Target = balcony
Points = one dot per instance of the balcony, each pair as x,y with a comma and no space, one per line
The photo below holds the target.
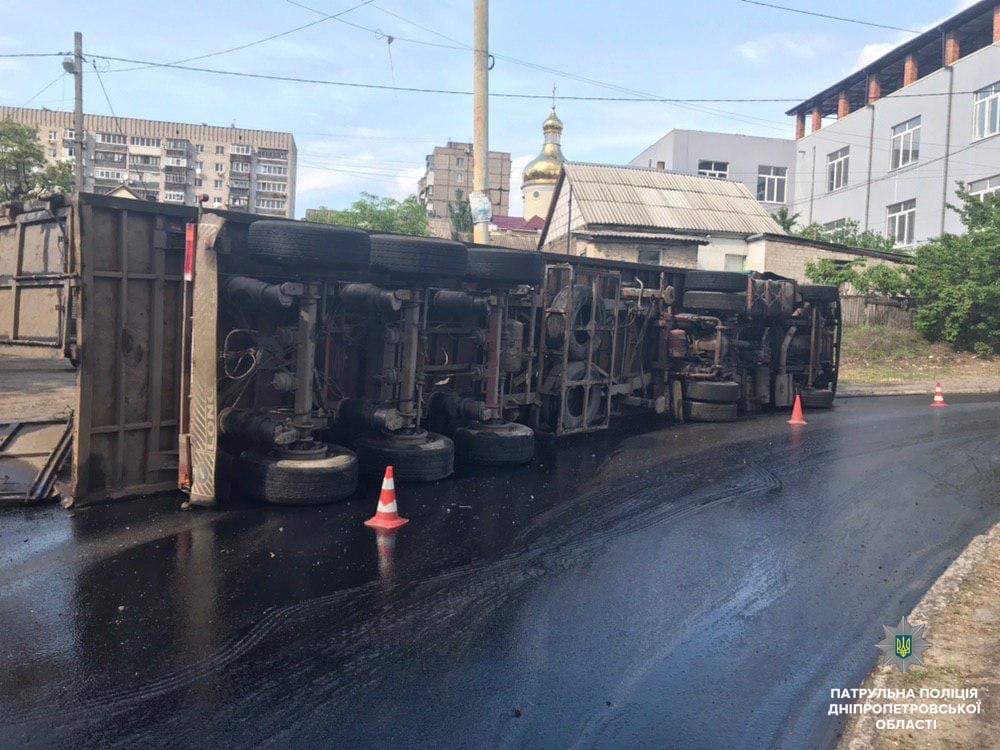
178,162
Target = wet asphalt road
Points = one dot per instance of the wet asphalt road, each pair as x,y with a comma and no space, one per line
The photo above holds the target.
699,586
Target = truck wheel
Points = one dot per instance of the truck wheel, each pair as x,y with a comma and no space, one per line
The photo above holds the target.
817,398
416,456
715,281
426,256
818,293
270,477
700,411
495,443
304,246
717,392
715,302
580,302
575,418
509,266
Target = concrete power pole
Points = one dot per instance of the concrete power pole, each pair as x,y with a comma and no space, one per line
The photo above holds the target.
78,109
481,125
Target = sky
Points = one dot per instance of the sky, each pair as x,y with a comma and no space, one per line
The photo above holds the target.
353,139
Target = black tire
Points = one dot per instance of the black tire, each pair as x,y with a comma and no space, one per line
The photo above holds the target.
417,457
495,444
305,246
817,398
818,293
700,411
715,301
575,418
580,302
506,266
269,477
715,281
425,256
716,392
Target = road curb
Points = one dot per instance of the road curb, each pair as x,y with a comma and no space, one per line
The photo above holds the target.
877,392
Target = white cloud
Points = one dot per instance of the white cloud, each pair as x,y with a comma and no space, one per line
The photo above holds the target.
310,179
9,65
783,46
872,52
406,182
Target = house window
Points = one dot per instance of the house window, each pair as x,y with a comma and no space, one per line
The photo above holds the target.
69,135
836,169
198,182
52,136
460,178
220,168
735,263
905,143
983,188
900,218
136,140
718,170
661,165
459,161
986,112
218,184
651,257
220,150
200,148
771,183
116,138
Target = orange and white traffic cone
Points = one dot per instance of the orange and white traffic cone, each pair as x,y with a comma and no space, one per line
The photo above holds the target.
797,412
386,516
938,397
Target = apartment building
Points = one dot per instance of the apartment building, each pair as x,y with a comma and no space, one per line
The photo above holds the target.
764,165
238,169
449,170
888,145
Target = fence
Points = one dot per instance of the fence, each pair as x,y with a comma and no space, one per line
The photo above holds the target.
892,312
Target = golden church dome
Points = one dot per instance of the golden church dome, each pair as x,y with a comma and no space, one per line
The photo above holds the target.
545,168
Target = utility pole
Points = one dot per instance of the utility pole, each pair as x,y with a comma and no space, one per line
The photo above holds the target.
481,126
78,109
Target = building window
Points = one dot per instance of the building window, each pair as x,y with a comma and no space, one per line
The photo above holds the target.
116,138
986,112
200,148
270,153
52,136
143,160
661,165
241,166
198,182
107,174
69,135
836,169
51,152
271,187
220,150
175,161
151,195
177,145
983,188
835,225
220,168
735,262
199,165
271,169
900,218
270,203
718,170
116,157
905,143
173,195
242,149
771,183
650,257
218,185
460,178
459,161
136,140
177,179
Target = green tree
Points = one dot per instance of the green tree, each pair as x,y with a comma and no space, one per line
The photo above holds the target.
461,216
380,215
849,234
785,219
876,279
955,281
23,171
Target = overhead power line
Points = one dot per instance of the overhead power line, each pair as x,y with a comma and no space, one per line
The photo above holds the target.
831,18
45,88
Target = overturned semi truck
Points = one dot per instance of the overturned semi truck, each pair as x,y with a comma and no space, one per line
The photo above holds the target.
222,352
339,352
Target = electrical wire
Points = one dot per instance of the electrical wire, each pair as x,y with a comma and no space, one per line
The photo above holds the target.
45,88
831,18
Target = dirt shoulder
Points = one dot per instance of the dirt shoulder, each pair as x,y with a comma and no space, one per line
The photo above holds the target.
962,615
35,383
881,362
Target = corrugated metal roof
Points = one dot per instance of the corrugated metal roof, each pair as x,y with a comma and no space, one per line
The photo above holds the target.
616,233
658,200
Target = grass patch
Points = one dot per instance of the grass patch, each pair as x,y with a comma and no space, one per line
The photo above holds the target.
881,344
